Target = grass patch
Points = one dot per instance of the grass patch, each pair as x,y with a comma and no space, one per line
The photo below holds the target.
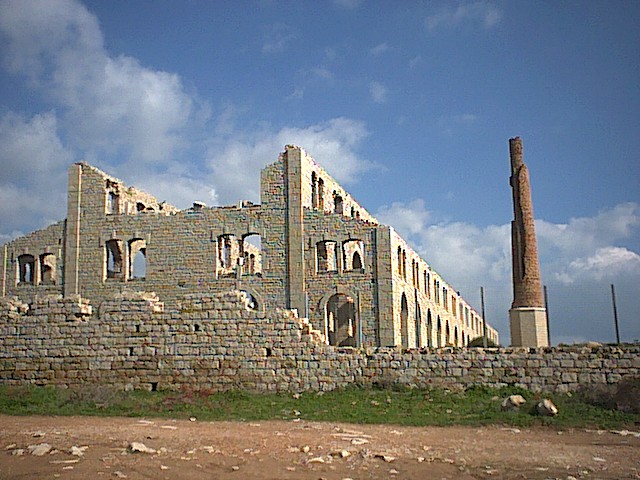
399,406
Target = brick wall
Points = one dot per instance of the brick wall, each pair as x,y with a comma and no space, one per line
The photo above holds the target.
214,341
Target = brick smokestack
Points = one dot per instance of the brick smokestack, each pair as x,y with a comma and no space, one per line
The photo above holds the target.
527,285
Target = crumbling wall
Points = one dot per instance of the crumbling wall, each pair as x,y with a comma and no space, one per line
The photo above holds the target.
218,342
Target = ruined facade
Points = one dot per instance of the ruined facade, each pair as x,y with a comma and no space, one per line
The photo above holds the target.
308,246
528,315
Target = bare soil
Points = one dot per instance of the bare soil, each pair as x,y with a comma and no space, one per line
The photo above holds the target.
307,450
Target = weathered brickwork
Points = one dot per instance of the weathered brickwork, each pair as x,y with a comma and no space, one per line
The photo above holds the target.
309,247
217,341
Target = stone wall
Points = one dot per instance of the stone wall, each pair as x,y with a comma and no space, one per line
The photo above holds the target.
217,342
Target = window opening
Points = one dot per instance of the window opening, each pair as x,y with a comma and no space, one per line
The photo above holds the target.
418,326
439,333
252,254
137,258
228,255
326,256
404,321
352,255
27,269
320,194
113,252
338,206
48,269
314,190
341,319
250,301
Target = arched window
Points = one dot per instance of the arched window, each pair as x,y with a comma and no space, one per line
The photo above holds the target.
250,301
439,333
341,320
429,329
137,258
352,255
320,194
26,269
447,334
252,254
400,261
338,206
113,259
404,321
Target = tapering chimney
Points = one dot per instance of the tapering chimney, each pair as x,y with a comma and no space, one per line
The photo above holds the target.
528,316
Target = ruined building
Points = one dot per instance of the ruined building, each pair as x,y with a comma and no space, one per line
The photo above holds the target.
308,246
528,315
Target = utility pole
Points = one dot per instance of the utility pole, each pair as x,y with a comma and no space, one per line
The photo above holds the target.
546,307
615,312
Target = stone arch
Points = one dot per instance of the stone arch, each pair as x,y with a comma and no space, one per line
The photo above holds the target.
252,254
429,329
341,322
338,203
26,269
439,333
455,336
352,254
137,258
114,259
404,321
254,298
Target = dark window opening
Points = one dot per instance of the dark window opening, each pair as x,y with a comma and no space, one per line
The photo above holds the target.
27,269
154,386
113,250
341,321
404,321
338,206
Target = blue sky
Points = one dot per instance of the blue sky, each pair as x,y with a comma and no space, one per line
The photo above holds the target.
409,104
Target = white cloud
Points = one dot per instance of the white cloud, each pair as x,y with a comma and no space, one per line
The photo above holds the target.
605,263
236,162
485,13
34,162
110,104
378,92
380,49
577,260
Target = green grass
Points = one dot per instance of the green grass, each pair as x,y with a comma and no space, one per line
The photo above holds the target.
400,406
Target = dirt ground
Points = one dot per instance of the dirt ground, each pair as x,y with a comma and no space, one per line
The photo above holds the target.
305,450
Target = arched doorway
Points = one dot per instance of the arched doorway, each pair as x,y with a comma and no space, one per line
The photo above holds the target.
341,321
404,321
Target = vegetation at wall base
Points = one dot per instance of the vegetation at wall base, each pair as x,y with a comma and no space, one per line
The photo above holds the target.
400,406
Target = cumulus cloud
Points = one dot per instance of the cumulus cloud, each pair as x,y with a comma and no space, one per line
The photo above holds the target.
34,162
378,92
484,13
236,162
578,260
106,103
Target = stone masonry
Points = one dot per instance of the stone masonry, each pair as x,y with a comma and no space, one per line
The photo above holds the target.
217,341
308,247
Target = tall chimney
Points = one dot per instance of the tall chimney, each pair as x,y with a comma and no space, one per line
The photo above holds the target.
528,314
